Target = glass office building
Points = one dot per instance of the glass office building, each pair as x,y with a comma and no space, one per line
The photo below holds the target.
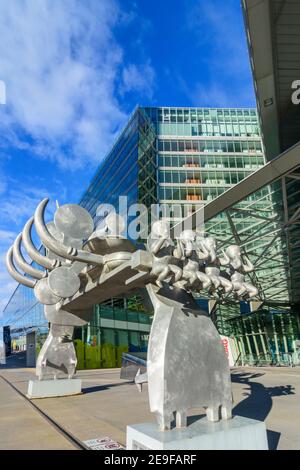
187,156
202,152
23,315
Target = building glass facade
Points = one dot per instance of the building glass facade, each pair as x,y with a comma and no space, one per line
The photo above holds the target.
203,152
269,334
24,314
129,169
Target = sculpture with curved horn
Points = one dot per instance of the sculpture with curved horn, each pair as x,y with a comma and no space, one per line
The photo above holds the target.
14,273
57,247
32,251
102,265
22,263
48,240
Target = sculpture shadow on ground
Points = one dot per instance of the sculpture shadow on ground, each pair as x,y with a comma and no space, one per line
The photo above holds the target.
101,388
258,402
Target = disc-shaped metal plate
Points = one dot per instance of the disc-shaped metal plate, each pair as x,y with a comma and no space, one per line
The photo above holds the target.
44,294
63,282
74,221
57,234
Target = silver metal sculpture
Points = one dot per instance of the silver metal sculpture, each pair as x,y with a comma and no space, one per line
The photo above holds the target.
186,366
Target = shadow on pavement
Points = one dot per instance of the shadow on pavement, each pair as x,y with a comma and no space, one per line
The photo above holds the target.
258,402
100,388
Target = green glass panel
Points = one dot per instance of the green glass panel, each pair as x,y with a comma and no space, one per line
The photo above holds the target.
132,316
108,348
107,312
144,318
79,348
92,356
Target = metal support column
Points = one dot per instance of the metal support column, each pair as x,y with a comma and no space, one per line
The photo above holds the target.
275,339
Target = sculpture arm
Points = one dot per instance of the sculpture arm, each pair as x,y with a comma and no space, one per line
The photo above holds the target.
224,261
248,267
189,248
156,245
202,251
178,253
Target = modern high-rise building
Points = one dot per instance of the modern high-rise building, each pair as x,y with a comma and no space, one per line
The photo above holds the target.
203,152
186,156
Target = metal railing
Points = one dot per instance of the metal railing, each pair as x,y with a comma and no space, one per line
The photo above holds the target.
265,360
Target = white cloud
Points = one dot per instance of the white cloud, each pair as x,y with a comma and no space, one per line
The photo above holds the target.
16,207
61,64
138,78
19,205
7,235
214,94
63,69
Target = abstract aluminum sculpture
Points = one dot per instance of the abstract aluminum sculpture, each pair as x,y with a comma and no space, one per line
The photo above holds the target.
186,365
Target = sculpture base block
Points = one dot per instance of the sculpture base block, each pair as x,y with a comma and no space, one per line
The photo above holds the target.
238,433
53,388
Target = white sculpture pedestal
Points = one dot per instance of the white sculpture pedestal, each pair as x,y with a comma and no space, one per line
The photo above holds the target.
53,388
238,433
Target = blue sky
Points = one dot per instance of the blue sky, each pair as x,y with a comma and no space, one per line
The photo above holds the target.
74,70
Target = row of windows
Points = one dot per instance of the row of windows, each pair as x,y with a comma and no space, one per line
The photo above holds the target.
226,129
211,161
189,194
209,146
159,114
186,119
117,341
120,314
210,178
195,117
205,194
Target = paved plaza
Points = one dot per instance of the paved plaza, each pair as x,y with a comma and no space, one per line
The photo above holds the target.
108,404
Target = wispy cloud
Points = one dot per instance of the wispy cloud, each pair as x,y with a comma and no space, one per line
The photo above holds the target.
17,205
61,64
66,77
138,78
218,29
7,284
20,204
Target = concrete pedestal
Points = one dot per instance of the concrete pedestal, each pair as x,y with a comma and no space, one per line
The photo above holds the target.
53,388
238,433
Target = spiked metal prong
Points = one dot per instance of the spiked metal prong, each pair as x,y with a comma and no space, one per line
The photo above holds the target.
22,263
34,254
47,239
58,247
26,281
